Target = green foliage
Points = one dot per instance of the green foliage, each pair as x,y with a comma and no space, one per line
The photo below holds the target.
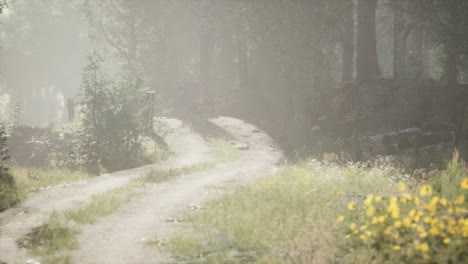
285,218
291,217
29,181
51,239
420,225
115,118
223,151
101,205
8,190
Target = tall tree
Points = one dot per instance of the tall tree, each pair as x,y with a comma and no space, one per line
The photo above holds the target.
242,46
347,42
401,31
367,59
206,44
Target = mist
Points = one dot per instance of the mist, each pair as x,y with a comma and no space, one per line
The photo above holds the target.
108,100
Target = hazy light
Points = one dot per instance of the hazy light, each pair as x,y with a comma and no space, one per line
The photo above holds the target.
7,12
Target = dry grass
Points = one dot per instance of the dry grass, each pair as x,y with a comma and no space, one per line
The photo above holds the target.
289,217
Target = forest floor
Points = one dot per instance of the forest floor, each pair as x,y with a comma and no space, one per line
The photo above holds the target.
123,235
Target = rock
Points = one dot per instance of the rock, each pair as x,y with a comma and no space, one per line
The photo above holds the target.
316,129
439,127
33,261
242,147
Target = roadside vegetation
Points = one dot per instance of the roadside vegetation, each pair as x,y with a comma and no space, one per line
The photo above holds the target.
223,151
52,240
323,212
32,180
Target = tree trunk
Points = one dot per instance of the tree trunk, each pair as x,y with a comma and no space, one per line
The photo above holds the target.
419,49
347,71
399,67
367,60
242,54
206,34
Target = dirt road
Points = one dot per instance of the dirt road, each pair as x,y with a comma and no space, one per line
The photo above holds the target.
120,237
189,149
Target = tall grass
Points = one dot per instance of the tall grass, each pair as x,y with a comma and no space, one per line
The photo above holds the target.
31,180
290,217
223,151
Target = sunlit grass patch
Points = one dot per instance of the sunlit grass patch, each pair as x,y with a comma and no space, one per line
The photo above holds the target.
427,224
50,240
303,214
31,180
158,176
101,205
223,151
287,217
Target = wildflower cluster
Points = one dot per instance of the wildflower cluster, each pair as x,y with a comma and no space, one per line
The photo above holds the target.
411,228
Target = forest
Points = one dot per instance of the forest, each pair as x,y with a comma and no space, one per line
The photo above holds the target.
233,131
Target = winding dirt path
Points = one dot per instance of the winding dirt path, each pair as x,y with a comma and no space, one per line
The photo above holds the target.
15,223
119,238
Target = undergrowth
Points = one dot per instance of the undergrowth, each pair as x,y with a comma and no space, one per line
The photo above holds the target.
32,180
223,151
291,217
52,240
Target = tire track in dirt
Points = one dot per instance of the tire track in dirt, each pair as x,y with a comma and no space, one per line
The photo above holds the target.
189,149
119,238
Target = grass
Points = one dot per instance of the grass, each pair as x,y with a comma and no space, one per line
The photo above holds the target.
31,180
223,151
101,205
291,216
52,240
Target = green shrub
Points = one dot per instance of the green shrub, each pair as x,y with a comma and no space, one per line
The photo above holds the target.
420,226
8,191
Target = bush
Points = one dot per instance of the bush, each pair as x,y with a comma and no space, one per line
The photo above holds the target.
8,192
116,118
429,226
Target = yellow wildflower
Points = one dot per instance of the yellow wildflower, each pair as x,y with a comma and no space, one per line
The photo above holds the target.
407,222
352,206
352,226
424,247
417,245
443,202
378,198
464,184
370,211
388,230
425,190
340,219
396,247
447,241
434,231
396,214
401,186
381,219
369,200
397,224
460,200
